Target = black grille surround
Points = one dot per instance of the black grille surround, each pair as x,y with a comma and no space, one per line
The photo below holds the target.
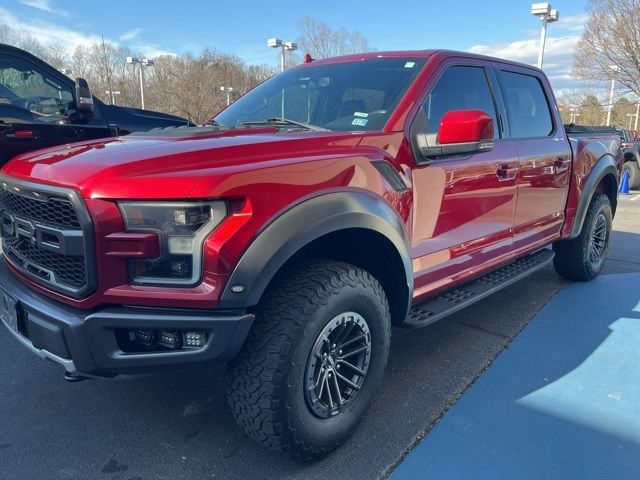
48,209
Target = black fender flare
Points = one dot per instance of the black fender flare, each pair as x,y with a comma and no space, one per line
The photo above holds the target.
303,223
604,166
634,153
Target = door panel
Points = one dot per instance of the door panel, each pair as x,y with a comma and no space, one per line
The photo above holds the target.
544,158
463,206
462,217
542,191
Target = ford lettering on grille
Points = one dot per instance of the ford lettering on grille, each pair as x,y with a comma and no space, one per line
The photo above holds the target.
45,234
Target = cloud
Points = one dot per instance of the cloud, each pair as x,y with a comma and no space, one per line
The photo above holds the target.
572,22
129,35
149,51
558,57
50,34
39,4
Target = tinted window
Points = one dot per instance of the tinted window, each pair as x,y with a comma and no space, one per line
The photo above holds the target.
32,93
527,106
347,96
459,88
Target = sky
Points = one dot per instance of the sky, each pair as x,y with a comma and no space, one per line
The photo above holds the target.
503,28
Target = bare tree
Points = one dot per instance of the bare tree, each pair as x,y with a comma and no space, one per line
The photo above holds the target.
22,40
187,85
611,38
320,41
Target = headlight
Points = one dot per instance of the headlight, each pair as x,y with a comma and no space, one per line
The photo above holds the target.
182,228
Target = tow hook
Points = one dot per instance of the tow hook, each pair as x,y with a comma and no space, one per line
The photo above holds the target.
71,377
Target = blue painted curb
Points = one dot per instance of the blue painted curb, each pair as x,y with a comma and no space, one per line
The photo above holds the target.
563,401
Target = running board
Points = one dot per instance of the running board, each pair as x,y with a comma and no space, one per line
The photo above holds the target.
449,302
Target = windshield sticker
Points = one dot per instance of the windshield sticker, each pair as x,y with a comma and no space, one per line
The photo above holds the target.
361,122
360,114
409,64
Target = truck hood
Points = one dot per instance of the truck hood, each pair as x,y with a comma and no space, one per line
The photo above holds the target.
168,164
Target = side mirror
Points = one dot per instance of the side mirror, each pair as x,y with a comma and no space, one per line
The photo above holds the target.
84,99
462,132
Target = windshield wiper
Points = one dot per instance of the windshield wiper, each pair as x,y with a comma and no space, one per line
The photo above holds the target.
286,121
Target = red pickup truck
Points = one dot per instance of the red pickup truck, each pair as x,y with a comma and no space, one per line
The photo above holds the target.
333,201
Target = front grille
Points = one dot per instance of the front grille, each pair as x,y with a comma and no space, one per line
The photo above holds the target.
54,211
66,269
40,228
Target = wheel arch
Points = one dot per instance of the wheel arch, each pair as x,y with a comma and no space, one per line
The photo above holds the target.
632,155
602,179
354,227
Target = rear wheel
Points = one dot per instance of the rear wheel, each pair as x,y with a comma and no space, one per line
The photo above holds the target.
583,257
313,360
634,173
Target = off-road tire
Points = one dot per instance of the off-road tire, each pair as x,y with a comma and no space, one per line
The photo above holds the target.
572,260
634,174
265,382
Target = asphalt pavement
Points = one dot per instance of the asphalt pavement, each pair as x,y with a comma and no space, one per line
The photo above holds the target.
178,426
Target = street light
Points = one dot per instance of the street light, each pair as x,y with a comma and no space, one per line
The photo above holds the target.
615,69
547,14
635,124
630,115
284,47
144,62
573,111
112,95
228,90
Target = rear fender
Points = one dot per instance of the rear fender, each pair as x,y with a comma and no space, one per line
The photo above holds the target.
606,165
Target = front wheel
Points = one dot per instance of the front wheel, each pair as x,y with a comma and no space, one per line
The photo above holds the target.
313,360
583,257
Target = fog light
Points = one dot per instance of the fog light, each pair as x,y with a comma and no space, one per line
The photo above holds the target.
146,337
195,339
170,339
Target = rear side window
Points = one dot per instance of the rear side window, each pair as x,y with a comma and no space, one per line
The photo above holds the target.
527,106
459,88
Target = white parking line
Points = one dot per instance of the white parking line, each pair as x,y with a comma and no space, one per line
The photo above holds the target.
635,197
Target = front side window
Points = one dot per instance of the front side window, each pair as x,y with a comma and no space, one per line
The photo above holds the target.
527,106
458,88
31,94
347,96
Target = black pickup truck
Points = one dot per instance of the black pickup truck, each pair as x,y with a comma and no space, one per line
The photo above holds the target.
631,150
41,107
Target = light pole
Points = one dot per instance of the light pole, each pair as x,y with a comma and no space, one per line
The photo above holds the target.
573,114
635,124
630,115
144,62
228,90
615,69
547,14
284,47
112,95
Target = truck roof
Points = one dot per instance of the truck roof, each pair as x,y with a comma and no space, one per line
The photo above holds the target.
442,53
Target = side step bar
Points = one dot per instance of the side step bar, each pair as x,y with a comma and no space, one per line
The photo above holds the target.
445,304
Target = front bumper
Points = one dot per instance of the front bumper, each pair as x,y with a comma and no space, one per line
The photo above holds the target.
84,342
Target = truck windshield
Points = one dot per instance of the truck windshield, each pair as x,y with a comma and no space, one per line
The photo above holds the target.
348,96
